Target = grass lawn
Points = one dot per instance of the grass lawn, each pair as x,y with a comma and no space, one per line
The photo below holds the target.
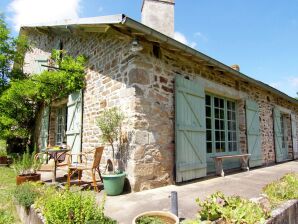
7,185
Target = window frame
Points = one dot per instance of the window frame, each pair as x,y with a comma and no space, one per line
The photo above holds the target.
226,131
63,108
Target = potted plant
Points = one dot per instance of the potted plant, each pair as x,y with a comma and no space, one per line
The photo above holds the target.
157,217
3,156
109,122
25,168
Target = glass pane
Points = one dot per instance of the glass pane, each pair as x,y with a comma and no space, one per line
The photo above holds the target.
209,135
216,102
222,114
221,103
223,146
217,136
216,113
217,124
208,123
229,105
217,145
234,146
209,147
208,111
222,136
208,100
230,146
222,124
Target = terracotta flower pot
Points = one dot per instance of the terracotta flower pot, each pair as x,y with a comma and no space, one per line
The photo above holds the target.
3,160
28,177
167,217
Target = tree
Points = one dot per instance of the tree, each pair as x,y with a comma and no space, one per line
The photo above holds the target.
22,95
11,56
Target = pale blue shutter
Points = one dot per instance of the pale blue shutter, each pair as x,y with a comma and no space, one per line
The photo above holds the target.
44,129
294,136
253,133
190,130
38,66
278,135
74,121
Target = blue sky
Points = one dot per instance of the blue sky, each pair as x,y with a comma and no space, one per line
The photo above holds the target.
260,36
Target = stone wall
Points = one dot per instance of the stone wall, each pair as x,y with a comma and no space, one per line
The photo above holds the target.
107,85
154,154
142,85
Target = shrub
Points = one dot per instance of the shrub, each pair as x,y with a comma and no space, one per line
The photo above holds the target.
27,164
149,220
67,207
284,189
232,209
26,194
6,217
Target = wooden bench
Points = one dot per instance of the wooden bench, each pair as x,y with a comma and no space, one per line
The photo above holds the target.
219,162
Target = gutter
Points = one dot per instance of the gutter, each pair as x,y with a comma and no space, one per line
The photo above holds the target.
168,40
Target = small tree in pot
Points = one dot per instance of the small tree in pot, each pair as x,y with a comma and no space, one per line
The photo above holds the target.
110,122
25,168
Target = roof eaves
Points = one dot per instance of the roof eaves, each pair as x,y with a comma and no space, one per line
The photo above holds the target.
166,39
111,19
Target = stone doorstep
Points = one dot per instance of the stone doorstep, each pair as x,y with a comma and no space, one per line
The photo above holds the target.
286,213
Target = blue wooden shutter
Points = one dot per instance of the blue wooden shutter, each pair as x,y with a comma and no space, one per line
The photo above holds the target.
44,129
38,67
74,121
253,133
190,130
294,136
278,135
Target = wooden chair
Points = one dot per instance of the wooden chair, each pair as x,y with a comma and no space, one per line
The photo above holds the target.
81,164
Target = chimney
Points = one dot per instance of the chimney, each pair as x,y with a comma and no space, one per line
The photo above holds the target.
236,67
159,15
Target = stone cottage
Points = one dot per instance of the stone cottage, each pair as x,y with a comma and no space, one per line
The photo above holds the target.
182,108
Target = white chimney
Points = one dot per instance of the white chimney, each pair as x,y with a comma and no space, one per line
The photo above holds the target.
159,15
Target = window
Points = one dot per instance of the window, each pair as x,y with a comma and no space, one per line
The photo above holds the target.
39,68
61,125
221,125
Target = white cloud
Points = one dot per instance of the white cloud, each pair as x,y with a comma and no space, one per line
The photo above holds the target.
201,36
38,11
182,38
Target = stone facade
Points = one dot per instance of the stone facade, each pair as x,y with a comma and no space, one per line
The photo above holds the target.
142,85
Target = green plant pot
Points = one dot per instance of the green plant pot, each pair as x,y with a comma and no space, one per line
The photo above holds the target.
113,183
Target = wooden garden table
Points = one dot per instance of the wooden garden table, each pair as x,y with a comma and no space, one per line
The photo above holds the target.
56,154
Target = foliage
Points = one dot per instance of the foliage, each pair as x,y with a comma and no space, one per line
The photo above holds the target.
20,103
70,207
26,194
109,122
3,152
27,164
11,51
6,217
7,186
149,220
232,209
284,189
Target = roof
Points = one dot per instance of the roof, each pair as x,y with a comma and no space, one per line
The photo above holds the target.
129,26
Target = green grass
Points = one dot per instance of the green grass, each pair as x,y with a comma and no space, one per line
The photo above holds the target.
282,190
7,185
